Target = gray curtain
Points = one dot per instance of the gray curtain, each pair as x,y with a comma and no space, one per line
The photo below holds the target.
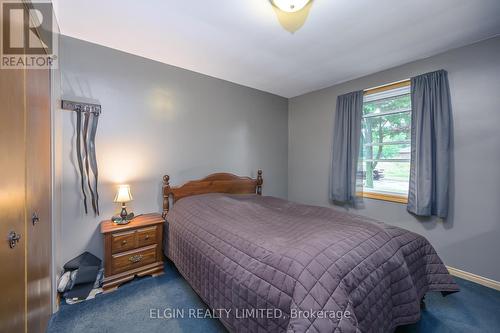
430,144
346,137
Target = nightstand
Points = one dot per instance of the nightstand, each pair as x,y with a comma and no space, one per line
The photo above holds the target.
133,249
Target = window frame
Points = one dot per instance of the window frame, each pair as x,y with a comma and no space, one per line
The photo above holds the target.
380,195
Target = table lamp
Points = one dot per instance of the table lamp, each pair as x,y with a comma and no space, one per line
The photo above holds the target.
123,195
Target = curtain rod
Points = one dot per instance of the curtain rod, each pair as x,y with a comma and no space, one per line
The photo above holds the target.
81,107
392,85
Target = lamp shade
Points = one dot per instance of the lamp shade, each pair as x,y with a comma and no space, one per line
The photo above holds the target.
123,194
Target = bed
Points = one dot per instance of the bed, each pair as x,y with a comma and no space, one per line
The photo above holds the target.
264,264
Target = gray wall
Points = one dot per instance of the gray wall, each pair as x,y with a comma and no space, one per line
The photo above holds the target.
159,119
470,238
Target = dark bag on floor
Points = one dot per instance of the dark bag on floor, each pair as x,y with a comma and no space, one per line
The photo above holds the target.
84,259
80,291
86,274
88,266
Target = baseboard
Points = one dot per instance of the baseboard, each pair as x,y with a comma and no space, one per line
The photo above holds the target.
474,278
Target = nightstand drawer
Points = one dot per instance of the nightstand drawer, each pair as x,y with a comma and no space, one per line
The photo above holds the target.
132,259
146,236
123,241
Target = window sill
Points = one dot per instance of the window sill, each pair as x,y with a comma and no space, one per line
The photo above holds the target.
385,197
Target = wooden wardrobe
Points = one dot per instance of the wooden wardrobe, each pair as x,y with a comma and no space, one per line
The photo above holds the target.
25,200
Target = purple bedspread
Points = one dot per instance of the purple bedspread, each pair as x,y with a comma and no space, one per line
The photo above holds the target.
277,266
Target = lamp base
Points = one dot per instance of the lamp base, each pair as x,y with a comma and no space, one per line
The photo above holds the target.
123,213
119,220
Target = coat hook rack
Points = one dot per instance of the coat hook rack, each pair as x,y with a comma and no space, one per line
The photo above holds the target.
81,107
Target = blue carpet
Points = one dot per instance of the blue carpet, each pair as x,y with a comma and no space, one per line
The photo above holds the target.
474,309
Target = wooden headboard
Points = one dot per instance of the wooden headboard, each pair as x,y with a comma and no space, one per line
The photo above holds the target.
214,183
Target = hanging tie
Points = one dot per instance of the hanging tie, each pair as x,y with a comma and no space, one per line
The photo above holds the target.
79,156
86,149
93,159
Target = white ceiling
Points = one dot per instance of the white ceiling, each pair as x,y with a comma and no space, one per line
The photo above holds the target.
242,41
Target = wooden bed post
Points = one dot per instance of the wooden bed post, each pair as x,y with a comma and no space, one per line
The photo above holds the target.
260,181
166,195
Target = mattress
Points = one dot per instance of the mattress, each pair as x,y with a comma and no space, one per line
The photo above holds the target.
278,266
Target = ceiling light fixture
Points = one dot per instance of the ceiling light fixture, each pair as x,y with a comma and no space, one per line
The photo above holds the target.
290,6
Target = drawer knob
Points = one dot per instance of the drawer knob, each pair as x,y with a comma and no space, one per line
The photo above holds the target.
136,258
124,242
147,237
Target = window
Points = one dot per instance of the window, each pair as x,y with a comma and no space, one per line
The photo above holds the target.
385,143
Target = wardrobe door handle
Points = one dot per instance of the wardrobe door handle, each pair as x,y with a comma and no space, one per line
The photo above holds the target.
13,239
34,218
